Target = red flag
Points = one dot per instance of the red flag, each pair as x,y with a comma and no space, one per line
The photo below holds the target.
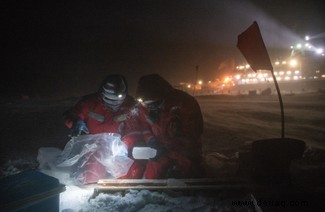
251,45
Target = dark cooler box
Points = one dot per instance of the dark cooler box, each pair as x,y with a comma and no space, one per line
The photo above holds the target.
30,191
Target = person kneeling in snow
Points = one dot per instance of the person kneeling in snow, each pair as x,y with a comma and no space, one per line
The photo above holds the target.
173,123
110,110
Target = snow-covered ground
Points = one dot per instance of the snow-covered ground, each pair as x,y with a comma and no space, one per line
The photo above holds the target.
231,124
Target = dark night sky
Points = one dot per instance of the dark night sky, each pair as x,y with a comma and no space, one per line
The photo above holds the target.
64,48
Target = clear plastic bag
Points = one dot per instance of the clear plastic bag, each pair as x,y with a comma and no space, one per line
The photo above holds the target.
91,157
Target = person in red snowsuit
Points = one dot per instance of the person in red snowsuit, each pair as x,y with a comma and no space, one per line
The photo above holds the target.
110,110
173,120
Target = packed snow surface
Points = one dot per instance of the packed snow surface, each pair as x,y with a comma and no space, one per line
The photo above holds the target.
231,124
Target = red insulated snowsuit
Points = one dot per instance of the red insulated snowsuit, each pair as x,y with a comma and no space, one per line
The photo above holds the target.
178,128
99,119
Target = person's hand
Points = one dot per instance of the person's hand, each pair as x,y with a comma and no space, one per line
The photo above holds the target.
79,127
157,145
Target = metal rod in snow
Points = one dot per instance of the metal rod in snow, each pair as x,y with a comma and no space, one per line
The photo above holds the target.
281,103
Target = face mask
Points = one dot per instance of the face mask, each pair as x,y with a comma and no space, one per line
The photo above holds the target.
154,105
154,108
113,105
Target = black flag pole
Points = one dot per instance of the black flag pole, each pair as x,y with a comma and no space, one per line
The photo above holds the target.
251,45
281,103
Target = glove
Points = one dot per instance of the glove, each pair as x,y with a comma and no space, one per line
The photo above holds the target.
79,127
130,149
157,145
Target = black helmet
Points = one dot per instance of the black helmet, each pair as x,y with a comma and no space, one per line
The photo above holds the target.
113,91
152,87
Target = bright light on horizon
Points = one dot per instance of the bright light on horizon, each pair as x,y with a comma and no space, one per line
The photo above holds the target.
293,63
319,51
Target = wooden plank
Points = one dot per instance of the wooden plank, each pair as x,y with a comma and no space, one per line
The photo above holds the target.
163,182
158,188
111,185
131,182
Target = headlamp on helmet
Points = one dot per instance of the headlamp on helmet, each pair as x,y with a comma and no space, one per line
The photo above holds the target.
114,91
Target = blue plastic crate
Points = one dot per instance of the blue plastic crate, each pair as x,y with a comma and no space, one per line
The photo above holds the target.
30,191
